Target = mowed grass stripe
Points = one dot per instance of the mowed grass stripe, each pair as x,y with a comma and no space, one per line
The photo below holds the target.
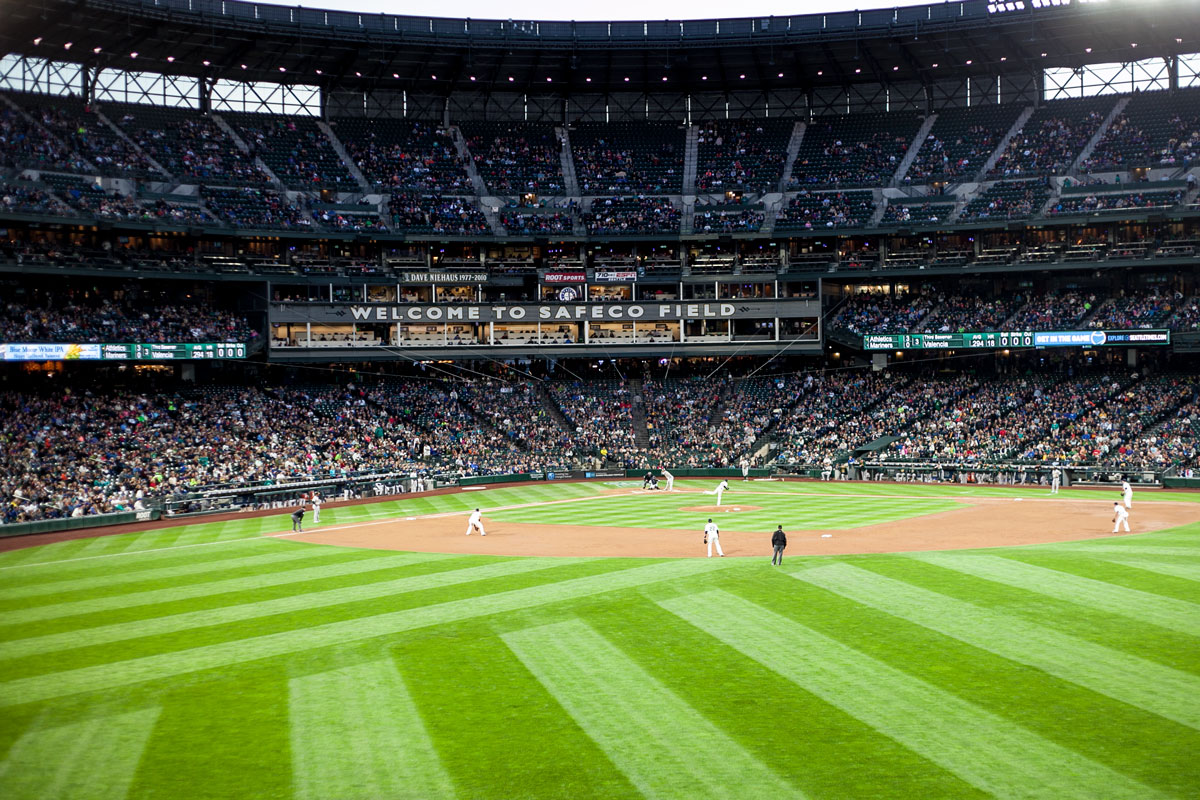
1130,549
662,744
97,567
94,758
114,675
356,734
245,612
1189,572
1165,612
114,579
219,585
985,750
496,729
1152,687
811,744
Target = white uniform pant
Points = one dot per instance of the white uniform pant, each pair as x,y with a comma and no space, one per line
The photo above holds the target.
717,541
1121,521
1129,499
476,526
671,484
316,514
1054,483
719,493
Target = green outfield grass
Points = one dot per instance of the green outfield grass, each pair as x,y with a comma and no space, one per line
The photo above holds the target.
210,661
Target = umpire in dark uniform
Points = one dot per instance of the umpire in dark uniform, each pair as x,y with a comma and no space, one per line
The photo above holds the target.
778,542
297,519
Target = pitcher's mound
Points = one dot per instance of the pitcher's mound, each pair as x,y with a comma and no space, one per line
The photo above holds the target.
720,509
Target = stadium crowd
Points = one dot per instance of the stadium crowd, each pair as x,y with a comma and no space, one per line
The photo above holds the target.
85,317
72,453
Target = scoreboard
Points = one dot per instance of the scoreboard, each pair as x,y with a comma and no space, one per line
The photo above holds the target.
990,340
122,352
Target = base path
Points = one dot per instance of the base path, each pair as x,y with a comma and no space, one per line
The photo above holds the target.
978,522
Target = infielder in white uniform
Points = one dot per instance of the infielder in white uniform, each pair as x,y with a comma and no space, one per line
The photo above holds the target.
712,535
745,470
475,523
1121,517
720,490
1127,491
670,479
316,504
1055,480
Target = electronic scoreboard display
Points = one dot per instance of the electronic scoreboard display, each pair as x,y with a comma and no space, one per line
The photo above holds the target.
990,340
121,352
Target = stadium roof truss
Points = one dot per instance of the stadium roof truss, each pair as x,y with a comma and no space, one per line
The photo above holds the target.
951,53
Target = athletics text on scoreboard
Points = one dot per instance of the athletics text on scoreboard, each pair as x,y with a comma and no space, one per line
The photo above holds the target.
22,351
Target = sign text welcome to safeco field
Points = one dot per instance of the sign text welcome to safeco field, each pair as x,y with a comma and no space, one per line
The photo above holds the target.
515,313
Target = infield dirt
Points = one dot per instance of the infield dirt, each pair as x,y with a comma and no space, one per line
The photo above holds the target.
976,523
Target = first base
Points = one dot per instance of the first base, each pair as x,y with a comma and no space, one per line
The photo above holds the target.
826,535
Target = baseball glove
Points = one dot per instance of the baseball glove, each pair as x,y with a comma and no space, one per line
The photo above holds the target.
706,538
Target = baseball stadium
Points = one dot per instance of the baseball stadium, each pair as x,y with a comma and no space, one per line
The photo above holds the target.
818,394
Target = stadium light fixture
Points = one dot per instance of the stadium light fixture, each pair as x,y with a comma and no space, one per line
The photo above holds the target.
587,80
170,59
135,55
395,74
434,77
319,72
780,75
627,79
511,79
970,62
283,69
822,72
1087,49
37,40
243,66
96,50
1004,58
67,46
742,77
549,79
1133,44
935,65
895,69
703,77
206,63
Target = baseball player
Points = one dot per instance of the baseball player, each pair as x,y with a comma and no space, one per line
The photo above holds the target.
778,542
720,490
316,505
745,470
670,479
297,519
646,481
475,523
1127,492
827,469
1120,517
712,535
1055,480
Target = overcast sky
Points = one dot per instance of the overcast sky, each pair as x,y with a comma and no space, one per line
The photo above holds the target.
595,10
